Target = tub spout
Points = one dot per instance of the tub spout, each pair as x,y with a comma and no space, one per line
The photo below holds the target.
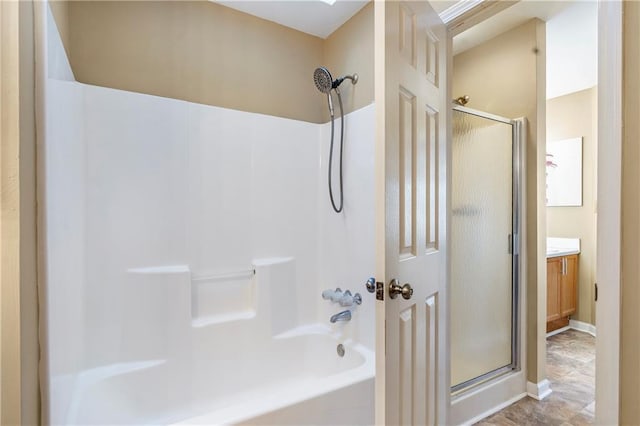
341,316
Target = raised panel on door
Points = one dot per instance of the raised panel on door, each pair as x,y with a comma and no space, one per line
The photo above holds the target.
407,374
569,287
432,132
412,158
554,276
407,132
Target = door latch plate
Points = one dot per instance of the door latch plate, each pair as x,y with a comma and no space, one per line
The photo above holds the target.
379,290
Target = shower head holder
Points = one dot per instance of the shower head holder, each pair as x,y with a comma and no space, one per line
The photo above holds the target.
338,82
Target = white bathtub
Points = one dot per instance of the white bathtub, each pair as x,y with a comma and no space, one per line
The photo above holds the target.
294,378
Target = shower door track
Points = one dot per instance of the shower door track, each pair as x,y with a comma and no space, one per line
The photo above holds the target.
518,128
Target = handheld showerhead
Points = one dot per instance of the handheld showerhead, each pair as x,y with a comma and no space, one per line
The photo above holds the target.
324,82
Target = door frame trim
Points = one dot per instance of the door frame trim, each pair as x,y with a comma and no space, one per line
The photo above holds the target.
20,385
609,209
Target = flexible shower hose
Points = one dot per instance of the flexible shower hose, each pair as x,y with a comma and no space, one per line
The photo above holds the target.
333,204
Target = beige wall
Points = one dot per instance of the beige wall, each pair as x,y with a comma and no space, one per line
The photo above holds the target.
196,51
570,116
19,351
350,50
222,57
630,264
506,76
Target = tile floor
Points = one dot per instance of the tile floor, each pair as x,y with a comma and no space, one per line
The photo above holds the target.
571,369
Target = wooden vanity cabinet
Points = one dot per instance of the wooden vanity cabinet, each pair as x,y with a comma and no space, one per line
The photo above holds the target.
569,288
562,290
554,276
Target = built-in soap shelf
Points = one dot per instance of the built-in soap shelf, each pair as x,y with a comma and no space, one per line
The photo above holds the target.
221,297
222,318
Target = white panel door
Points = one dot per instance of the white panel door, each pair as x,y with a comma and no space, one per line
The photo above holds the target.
611,111
412,365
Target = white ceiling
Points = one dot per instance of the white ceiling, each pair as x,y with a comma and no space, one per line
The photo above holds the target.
315,17
572,49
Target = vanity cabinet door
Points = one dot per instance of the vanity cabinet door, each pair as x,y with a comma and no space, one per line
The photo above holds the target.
569,286
554,278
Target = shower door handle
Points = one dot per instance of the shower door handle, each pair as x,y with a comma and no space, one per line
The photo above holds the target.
395,289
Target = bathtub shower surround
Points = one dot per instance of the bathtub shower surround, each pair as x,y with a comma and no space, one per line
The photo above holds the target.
187,249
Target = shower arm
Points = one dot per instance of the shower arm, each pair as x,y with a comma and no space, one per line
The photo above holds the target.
353,78
338,82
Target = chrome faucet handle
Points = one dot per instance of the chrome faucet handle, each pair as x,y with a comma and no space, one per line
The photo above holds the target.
326,294
337,295
333,295
344,298
348,299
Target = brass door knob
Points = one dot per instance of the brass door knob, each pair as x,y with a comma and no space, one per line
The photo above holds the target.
395,289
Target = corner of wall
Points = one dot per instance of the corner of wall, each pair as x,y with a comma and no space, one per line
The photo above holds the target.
541,208
349,50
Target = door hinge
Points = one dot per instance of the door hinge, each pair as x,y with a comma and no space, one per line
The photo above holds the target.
596,286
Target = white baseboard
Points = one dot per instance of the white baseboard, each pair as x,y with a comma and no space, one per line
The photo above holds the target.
494,410
558,331
583,326
539,390
575,325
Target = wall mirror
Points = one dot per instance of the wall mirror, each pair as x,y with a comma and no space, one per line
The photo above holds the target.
564,172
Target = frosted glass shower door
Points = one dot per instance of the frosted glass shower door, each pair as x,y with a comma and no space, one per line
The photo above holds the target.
482,295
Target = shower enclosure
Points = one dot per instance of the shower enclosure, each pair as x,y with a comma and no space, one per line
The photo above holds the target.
485,247
188,244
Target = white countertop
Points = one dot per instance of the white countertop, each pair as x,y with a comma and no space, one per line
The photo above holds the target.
557,247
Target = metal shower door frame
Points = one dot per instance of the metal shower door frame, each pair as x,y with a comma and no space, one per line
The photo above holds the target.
518,135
